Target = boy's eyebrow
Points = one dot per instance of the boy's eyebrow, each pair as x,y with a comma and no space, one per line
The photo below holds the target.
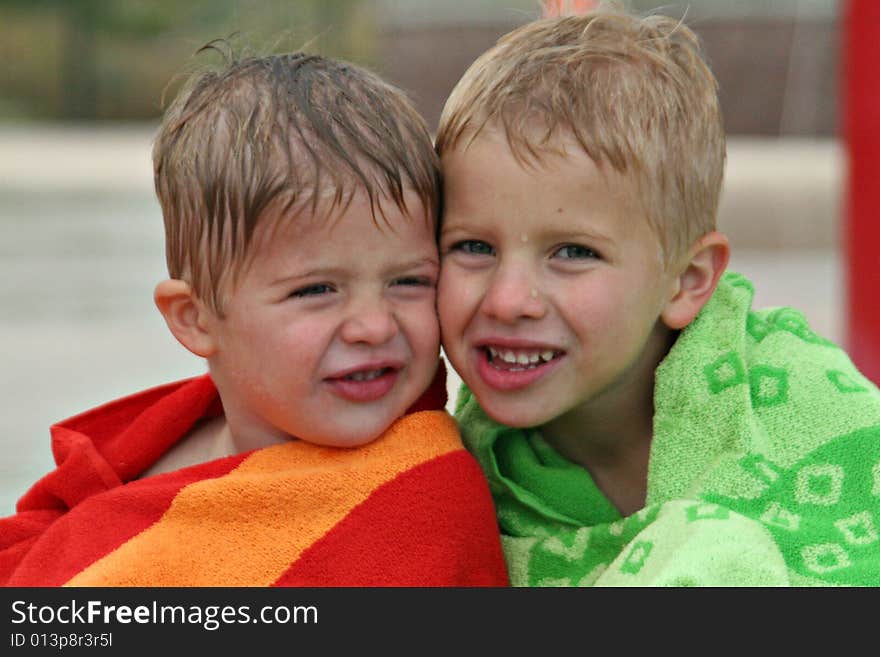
418,262
553,234
580,234
336,271
410,265
462,225
311,273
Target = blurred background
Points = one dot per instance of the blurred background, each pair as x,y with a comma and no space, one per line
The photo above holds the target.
81,89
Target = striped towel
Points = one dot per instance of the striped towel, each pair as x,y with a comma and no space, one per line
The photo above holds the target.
764,468
410,509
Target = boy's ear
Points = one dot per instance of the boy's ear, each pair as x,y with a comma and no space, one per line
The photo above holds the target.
706,261
187,318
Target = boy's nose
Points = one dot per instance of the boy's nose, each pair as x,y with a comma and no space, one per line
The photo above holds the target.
513,294
373,324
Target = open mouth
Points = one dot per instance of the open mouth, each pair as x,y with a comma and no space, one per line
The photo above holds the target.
506,369
365,385
367,375
519,360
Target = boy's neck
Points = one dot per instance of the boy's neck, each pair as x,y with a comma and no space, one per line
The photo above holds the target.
611,435
207,440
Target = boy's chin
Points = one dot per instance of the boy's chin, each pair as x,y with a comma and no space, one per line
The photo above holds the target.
344,440
510,415
355,430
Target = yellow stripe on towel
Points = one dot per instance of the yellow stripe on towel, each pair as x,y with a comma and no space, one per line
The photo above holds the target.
247,527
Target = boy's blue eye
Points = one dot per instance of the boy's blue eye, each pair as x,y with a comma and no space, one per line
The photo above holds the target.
473,247
312,290
576,252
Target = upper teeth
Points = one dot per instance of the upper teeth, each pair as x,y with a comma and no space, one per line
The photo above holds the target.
522,356
364,376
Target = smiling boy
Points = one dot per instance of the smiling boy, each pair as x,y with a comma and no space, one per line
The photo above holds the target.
577,290
639,422
300,200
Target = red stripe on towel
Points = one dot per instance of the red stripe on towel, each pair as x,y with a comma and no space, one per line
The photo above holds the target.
439,510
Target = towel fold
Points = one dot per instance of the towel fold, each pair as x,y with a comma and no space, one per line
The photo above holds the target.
409,509
764,468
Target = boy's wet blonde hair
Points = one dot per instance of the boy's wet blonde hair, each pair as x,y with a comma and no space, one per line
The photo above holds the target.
633,92
271,135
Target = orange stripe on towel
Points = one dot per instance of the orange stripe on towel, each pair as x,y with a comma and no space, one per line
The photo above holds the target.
246,528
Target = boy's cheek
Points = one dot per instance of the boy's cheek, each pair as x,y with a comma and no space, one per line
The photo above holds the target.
446,308
452,335
459,287
424,325
452,278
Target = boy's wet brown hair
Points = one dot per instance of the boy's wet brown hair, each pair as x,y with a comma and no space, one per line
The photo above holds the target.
633,92
269,136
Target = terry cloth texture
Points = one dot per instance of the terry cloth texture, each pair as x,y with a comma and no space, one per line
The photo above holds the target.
764,468
409,509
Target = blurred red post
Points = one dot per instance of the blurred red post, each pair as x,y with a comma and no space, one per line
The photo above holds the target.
861,126
560,7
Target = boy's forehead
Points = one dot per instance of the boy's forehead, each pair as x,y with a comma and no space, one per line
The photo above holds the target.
352,208
484,173
345,219
560,159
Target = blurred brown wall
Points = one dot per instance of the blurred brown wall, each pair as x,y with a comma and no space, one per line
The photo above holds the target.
776,76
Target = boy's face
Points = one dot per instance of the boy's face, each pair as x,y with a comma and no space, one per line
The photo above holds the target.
331,333
551,284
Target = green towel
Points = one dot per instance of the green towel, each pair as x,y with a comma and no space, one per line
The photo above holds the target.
764,468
